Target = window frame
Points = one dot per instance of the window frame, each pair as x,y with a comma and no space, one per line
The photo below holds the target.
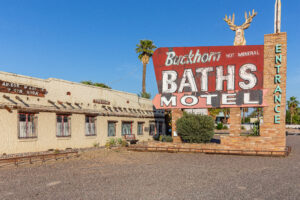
95,128
140,123
126,122
34,125
115,125
154,131
68,116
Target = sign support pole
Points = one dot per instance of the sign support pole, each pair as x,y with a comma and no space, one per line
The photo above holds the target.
176,114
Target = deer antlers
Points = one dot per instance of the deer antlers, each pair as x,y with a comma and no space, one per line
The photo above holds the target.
249,20
230,22
246,25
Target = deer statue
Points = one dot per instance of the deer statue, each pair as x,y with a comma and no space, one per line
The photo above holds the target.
239,30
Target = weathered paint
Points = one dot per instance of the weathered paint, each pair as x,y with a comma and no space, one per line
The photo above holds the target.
253,98
79,104
277,80
101,101
17,88
201,77
277,119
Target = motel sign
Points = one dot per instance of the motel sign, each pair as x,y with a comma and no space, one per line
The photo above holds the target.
206,77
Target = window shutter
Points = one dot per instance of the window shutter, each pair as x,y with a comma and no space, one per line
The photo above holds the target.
108,129
58,127
115,128
18,121
70,125
86,126
95,125
35,126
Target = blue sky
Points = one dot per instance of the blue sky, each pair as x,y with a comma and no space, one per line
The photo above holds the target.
95,40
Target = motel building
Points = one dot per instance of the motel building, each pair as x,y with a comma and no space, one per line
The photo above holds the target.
42,114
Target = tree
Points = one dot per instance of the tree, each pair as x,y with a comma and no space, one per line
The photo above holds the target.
292,105
145,95
95,84
296,117
245,110
145,49
213,112
226,112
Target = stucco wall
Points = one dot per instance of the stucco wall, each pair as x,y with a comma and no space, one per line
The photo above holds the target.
80,93
46,114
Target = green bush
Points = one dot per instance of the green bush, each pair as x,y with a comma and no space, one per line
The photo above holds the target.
56,151
220,126
145,95
243,128
165,138
124,143
119,141
195,128
96,144
255,130
107,145
156,137
160,137
110,143
169,138
225,127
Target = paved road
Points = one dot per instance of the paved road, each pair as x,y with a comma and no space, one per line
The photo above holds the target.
133,175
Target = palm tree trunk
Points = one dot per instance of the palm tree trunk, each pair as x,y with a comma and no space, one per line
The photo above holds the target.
244,115
144,78
225,114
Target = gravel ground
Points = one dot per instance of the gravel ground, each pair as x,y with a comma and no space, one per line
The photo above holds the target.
104,174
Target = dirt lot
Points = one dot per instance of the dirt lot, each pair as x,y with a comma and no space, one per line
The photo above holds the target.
106,174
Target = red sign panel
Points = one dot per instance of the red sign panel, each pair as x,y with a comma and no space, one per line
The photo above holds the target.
203,77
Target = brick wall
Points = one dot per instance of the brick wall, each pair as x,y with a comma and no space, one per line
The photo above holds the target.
235,122
176,114
269,128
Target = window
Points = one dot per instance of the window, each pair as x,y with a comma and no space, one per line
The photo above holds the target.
90,127
111,129
63,125
140,128
27,125
152,129
127,128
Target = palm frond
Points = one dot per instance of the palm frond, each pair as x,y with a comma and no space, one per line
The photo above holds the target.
145,47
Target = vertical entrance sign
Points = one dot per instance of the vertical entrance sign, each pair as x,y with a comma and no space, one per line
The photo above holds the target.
209,77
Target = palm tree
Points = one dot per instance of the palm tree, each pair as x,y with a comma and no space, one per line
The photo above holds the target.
145,49
226,112
213,112
145,95
292,105
245,110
